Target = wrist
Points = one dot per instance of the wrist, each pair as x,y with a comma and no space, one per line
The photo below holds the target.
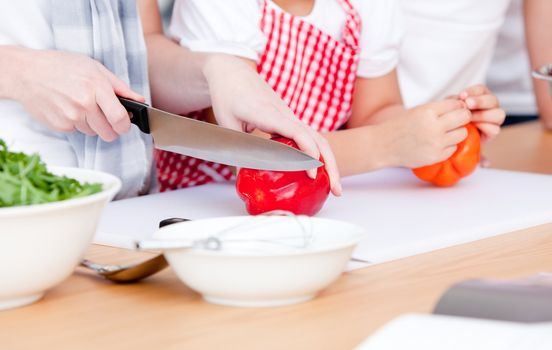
387,154
215,65
211,64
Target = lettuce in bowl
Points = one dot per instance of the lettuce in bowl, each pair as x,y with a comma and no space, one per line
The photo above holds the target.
25,180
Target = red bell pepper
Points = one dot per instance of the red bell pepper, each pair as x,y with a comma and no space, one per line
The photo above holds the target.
264,191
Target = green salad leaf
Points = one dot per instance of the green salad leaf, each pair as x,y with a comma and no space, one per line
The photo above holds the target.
25,180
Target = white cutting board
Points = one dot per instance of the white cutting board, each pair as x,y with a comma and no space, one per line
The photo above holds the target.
402,216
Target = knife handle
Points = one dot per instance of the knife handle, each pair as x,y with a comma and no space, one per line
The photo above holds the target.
138,113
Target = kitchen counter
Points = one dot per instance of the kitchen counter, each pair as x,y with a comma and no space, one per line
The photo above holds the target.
86,312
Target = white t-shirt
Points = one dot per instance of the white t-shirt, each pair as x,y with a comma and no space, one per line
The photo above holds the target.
509,76
447,46
27,23
232,27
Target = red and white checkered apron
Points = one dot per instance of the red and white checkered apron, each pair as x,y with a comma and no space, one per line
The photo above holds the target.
310,70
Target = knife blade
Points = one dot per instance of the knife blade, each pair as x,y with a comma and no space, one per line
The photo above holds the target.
214,143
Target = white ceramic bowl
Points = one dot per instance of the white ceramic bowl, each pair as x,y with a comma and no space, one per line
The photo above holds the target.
40,245
272,276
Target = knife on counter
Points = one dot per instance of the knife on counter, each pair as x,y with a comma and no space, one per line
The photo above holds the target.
214,143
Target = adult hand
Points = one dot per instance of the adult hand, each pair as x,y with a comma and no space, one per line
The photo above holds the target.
69,92
485,108
242,101
427,134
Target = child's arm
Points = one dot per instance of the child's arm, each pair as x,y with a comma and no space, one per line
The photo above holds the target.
537,31
376,100
381,133
360,147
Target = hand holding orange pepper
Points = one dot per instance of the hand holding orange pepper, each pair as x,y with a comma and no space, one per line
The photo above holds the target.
461,164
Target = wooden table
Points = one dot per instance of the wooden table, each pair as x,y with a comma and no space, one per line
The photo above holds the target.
523,147
86,312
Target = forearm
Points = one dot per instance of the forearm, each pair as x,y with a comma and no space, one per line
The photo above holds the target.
376,100
358,150
537,29
362,149
12,59
177,76
386,113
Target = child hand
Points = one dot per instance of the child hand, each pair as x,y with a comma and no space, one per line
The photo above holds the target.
427,134
485,108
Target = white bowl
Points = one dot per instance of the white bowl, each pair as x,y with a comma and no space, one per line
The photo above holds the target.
250,275
40,245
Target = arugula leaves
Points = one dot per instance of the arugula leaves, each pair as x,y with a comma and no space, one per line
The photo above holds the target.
24,180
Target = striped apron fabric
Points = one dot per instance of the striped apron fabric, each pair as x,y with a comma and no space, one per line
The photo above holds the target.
310,70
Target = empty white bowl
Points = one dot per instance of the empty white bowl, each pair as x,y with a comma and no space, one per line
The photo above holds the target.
257,273
40,245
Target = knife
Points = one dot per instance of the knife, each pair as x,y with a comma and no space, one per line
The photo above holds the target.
214,143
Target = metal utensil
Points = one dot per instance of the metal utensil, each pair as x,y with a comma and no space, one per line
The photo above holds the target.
543,73
214,143
243,235
128,273
132,272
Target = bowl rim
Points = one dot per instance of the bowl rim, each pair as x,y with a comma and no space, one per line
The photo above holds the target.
230,255
114,186
356,236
